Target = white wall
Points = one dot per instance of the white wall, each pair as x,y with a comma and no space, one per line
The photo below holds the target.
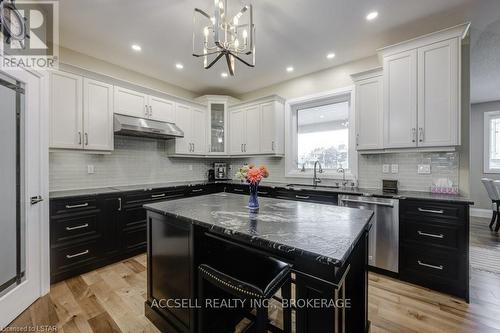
478,193
325,80
77,59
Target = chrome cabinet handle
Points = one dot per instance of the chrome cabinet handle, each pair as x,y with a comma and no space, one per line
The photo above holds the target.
119,204
357,139
77,227
146,113
197,190
272,145
77,206
241,148
239,190
69,256
245,147
262,192
440,267
367,202
439,211
302,196
150,111
79,138
420,134
86,139
157,195
193,147
421,233
413,135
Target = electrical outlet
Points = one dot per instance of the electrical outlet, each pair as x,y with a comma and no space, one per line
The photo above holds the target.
190,167
424,169
90,169
394,168
385,168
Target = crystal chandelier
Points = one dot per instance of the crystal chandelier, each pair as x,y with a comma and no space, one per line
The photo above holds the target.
224,35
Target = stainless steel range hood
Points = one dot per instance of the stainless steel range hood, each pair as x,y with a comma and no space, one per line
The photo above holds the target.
132,126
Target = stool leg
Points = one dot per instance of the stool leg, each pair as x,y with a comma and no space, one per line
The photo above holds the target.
261,321
201,302
493,219
286,294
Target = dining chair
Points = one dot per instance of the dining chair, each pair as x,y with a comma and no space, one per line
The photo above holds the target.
493,189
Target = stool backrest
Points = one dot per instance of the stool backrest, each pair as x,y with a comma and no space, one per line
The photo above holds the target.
492,187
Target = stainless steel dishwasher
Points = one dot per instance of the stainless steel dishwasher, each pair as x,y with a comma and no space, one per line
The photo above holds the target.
383,248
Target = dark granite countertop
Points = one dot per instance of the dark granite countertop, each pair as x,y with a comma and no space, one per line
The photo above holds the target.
323,232
348,190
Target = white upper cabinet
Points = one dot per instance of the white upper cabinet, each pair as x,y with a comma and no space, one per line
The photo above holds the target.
438,94
131,103
81,113
400,100
422,82
237,129
198,135
272,128
66,111
257,128
161,109
252,130
369,110
192,122
97,115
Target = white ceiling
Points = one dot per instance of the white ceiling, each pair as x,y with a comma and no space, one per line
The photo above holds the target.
296,33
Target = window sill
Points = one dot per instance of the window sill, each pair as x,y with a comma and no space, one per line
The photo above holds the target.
324,175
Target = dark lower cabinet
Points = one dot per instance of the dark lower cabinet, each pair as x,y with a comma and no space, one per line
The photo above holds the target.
92,231
434,246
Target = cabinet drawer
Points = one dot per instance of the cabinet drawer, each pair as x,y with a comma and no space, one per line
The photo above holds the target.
150,196
431,268
263,191
134,238
69,257
307,196
449,235
72,205
199,190
429,209
70,227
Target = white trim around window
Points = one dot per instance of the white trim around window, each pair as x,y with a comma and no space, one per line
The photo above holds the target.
291,107
488,142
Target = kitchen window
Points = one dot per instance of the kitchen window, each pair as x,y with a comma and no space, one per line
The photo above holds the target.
321,129
492,142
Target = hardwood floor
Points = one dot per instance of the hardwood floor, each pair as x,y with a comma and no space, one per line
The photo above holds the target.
111,299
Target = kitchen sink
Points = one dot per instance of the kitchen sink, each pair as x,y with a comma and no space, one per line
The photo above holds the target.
312,186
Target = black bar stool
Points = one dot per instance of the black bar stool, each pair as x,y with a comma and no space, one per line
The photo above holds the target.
248,276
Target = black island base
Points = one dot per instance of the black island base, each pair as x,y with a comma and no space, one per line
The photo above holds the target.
325,247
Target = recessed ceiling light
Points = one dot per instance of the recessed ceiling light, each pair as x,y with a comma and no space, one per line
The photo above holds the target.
330,55
322,116
136,47
224,74
289,69
179,66
372,16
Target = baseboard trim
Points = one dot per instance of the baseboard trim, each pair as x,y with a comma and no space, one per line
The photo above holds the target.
479,212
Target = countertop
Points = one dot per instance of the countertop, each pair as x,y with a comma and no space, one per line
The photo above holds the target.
348,190
325,233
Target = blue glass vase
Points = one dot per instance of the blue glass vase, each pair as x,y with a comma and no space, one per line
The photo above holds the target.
253,201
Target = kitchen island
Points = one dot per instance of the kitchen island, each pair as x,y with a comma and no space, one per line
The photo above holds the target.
325,245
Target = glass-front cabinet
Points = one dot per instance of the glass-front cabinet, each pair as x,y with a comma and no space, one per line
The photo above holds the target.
217,122
217,129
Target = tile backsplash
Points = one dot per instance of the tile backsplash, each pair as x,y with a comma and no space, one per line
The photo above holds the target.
144,161
134,161
442,165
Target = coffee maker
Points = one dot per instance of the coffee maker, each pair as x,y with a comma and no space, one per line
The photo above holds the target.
220,169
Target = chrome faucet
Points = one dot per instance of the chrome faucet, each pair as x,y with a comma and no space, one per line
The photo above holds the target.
342,171
316,180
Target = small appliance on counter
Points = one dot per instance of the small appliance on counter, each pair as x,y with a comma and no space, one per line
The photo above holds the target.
211,175
221,171
389,186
